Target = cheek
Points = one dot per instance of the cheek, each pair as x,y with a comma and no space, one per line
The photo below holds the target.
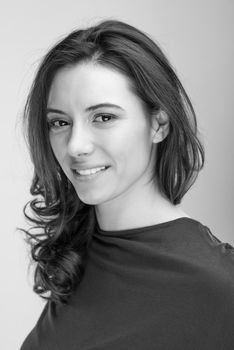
132,152
58,150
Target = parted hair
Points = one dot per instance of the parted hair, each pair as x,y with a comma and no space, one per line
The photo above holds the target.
63,223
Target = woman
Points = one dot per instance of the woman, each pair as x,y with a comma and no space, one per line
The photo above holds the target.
114,142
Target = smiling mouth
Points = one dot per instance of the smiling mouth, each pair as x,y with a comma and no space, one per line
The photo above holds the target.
90,176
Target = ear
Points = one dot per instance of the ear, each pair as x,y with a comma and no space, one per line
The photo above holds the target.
160,126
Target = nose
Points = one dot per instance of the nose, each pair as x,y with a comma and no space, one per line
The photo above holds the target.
79,141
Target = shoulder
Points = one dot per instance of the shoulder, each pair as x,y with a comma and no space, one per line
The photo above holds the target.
215,260
195,245
210,271
42,336
220,253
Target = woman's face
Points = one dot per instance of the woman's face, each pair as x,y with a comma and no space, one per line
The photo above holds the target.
87,133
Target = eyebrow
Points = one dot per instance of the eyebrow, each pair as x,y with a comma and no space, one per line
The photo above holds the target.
88,109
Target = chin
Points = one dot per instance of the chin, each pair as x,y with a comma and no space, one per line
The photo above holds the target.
90,199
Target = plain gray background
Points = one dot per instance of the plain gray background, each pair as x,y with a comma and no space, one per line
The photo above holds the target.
197,37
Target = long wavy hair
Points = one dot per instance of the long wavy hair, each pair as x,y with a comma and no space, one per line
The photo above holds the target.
63,223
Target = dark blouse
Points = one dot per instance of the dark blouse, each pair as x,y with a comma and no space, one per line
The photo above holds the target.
168,286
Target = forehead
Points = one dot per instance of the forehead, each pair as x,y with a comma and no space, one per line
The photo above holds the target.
87,82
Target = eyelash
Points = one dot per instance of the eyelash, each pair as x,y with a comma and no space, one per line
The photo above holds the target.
51,122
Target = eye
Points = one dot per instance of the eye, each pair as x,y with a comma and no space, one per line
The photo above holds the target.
102,115
52,123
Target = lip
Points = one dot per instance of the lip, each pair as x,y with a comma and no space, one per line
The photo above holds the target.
85,167
85,178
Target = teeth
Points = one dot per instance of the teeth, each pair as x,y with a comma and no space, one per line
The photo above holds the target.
89,171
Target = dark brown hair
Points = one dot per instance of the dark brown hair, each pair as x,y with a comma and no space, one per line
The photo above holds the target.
66,224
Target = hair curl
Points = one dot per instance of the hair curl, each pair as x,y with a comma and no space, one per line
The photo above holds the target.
65,223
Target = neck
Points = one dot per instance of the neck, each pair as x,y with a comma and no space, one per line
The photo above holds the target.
133,209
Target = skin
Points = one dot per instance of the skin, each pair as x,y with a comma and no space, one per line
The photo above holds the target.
123,196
